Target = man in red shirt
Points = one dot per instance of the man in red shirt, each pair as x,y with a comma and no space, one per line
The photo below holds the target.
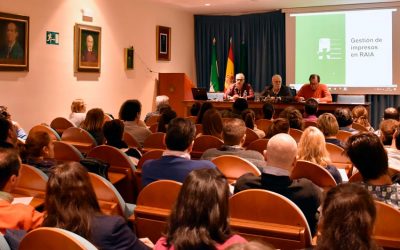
239,89
314,90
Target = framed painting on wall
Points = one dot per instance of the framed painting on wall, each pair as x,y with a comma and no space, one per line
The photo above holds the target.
87,48
163,43
14,42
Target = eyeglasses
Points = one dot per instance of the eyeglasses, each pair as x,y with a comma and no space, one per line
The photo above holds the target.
239,79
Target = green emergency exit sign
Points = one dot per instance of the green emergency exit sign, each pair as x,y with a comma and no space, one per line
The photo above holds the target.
52,37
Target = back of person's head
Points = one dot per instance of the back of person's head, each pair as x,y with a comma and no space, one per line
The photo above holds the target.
311,106
204,107
113,131
343,117
312,147
251,245
180,134
396,136
4,112
38,144
234,131
130,110
368,155
78,106
391,113
328,124
161,99
239,106
360,115
199,219
163,108
165,118
94,120
347,219
70,199
249,118
388,127
279,125
268,110
281,151
212,123
9,166
294,117
194,110
5,129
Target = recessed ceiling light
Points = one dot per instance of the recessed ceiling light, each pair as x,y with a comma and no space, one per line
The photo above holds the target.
207,4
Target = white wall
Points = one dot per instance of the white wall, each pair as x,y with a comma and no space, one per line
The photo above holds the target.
47,90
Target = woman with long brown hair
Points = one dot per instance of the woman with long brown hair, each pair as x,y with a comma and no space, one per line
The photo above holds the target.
212,123
93,123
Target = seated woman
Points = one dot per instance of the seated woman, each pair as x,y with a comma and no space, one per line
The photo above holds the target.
38,151
294,117
71,204
204,107
369,156
347,219
199,219
78,109
93,123
249,118
329,126
312,148
360,116
165,118
279,125
212,123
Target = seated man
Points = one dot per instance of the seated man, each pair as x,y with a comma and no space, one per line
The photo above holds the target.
389,132
276,89
344,118
268,111
234,134
239,89
162,101
281,158
8,135
14,216
314,90
175,164
391,113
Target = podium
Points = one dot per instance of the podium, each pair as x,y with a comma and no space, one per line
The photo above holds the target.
178,87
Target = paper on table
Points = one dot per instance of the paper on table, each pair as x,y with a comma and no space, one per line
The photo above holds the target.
23,200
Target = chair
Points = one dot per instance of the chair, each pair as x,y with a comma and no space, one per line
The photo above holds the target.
250,137
356,177
343,135
60,124
152,120
52,133
233,167
153,207
153,127
154,141
131,141
309,123
315,173
120,172
152,154
267,216
204,142
66,152
258,145
386,228
50,238
31,182
295,133
263,124
359,127
199,128
339,158
79,138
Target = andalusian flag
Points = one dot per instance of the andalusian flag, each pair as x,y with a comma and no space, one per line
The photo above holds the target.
230,68
214,83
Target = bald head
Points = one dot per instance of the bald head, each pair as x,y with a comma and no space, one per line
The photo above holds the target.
281,151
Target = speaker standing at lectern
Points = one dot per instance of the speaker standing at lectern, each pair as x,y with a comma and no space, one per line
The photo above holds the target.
239,89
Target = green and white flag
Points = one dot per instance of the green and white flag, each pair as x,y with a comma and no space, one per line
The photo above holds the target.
214,84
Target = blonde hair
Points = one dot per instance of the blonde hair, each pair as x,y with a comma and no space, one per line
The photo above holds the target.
78,106
328,124
360,116
312,147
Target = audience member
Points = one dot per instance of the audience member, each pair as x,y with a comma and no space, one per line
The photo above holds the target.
8,134
252,245
212,123
312,148
347,219
199,218
93,123
78,112
71,204
294,117
391,113
239,106
234,134
204,107
268,111
368,155
130,114
329,126
175,164
310,110
279,125
281,158
165,118
21,134
394,151
160,101
194,110
14,216
360,116
387,128
345,119
249,118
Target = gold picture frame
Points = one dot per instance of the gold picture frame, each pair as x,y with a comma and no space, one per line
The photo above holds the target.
87,48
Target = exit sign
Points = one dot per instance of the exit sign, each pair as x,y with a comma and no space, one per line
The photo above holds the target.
52,38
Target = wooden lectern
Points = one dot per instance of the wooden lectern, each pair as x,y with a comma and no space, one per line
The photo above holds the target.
178,87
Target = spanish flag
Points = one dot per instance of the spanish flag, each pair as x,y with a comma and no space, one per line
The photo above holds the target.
230,68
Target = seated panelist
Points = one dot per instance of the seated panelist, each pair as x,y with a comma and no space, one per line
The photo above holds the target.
314,90
276,90
239,89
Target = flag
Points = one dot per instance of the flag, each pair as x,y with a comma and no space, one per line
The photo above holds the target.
230,68
214,83
243,58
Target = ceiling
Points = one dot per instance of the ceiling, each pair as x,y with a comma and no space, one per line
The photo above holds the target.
251,6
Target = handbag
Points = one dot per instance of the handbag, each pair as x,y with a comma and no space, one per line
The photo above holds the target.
96,166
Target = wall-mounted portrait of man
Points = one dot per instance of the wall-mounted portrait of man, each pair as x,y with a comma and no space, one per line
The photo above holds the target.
88,47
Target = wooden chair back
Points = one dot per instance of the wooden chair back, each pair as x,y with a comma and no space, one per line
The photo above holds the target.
263,124
356,177
339,158
258,145
131,141
309,123
343,135
204,142
267,216
79,138
152,120
359,127
50,238
60,124
233,167
153,127
315,173
66,152
386,229
52,133
250,137
152,154
153,207
154,141
295,133
31,182
121,171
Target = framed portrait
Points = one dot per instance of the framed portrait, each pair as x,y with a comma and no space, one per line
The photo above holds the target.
14,42
87,48
163,43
